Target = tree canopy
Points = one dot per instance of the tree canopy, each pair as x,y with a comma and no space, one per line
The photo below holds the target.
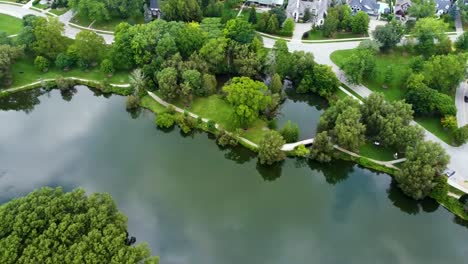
52,226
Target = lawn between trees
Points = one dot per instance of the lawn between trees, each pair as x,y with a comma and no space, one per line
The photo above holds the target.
10,25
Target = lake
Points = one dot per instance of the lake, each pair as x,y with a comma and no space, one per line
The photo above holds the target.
195,203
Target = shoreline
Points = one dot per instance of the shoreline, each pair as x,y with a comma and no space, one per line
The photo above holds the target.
449,202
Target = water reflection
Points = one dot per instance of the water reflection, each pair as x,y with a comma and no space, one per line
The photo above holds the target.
270,173
407,204
22,101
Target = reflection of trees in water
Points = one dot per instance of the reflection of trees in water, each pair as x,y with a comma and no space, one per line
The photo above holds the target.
238,154
407,204
457,220
22,101
334,172
311,99
270,172
68,94
135,113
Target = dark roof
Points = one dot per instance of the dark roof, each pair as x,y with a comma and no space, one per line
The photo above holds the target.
154,4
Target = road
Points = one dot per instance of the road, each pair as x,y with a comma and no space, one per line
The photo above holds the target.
462,106
321,51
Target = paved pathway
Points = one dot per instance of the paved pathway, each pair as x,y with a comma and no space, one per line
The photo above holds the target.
28,4
299,30
462,106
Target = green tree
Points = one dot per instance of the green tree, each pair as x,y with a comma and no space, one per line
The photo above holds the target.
67,228
461,135
322,148
239,30
41,64
214,53
360,23
210,84
280,14
263,22
349,131
424,162
8,55
288,27
181,10
449,122
329,117
462,41
269,149
276,85
325,81
389,35
330,25
191,81
107,67
272,25
49,41
444,72
63,61
427,31
168,85
248,98
93,9
422,8
137,80
164,120
361,63
290,132
89,46
246,61
253,15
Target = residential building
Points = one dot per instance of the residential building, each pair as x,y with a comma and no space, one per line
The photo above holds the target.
401,9
317,8
371,7
266,2
154,8
443,7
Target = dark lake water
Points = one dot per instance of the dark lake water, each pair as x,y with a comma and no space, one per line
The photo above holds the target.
195,203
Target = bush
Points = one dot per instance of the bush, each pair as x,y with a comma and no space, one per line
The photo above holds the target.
63,83
132,102
41,64
186,123
226,139
171,109
290,132
441,188
301,151
211,125
107,67
63,61
164,120
269,149
449,122
272,124
461,135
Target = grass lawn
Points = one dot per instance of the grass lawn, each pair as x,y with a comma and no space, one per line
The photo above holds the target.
148,102
58,11
105,25
24,72
41,6
433,125
10,25
399,62
369,150
317,35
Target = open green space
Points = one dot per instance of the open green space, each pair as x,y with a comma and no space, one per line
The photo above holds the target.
372,151
10,25
433,125
397,60
24,73
105,25
41,6
317,35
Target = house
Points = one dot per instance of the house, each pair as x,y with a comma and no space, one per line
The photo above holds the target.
442,7
317,8
371,7
266,2
154,8
401,9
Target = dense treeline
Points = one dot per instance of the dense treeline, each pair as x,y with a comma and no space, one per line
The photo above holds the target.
51,226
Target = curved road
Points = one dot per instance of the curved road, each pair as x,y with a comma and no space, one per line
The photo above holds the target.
321,51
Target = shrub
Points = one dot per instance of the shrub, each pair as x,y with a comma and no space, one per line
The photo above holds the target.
211,125
64,83
290,132
461,135
272,124
441,188
226,139
164,120
186,123
63,61
132,102
171,109
41,64
107,67
301,151
199,120
449,122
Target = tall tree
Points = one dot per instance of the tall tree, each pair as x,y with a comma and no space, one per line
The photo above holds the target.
360,23
429,31
239,30
89,46
8,55
248,98
349,131
137,80
424,162
253,15
322,148
168,85
422,8
181,10
49,41
389,35
269,149
59,227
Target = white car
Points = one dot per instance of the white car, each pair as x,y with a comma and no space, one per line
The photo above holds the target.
449,172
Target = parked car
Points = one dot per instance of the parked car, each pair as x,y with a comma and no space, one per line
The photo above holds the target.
449,172
466,99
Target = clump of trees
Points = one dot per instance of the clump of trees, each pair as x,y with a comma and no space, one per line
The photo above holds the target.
53,226
269,149
8,55
389,35
339,19
273,22
106,10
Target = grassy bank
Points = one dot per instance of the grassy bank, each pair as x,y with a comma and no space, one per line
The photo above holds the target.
399,62
10,25
318,35
24,73
375,152
105,25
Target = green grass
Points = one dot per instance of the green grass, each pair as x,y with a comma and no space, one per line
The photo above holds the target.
31,74
369,150
10,25
399,62
317,35
433,125
105,25
41,6
149,103
59,11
